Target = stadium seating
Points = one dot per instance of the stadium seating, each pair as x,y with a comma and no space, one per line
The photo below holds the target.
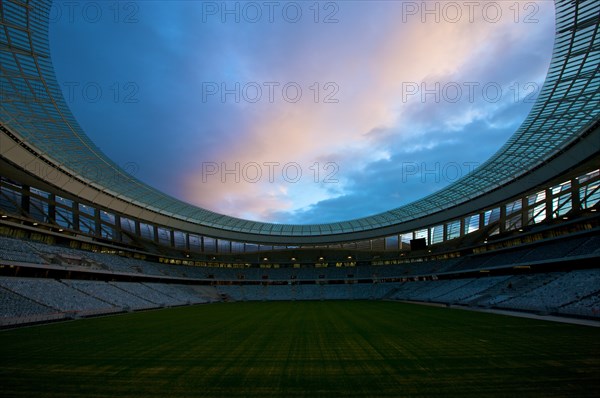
25,300
569,293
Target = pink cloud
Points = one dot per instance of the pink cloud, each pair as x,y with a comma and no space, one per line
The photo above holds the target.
370,76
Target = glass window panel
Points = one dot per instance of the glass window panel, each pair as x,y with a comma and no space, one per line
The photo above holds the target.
164,236
491,216
437,234
147,231
10,200
588,176
471,223
237,247
64,217
127,225
87,225
210,245
391,242
590,195
453,229
536,214
39,192
195,243
561,205
85,209
107,218
107,232
422,234
513,207
536,198
38,209
406,238
223,246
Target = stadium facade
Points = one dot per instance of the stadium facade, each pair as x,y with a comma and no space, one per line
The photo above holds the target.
57,186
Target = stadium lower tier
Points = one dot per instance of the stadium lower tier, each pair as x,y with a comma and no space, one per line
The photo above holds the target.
43,282
33,300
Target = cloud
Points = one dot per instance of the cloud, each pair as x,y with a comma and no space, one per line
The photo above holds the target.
366,62
376,123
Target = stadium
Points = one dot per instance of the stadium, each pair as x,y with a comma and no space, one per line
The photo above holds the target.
110,287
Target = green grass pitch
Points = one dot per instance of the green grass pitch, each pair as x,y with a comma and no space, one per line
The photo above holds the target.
293,349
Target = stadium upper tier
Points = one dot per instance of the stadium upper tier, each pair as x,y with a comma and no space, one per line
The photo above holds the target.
560,132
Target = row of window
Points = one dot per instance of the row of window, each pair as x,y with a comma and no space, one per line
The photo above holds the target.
64,214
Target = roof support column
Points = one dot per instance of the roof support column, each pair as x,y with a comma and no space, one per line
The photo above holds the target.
155,233
75,210
97,222
502,219
52,209
118,231
549,211
575,197
25,200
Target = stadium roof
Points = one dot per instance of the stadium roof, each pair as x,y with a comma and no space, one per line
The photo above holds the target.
34,109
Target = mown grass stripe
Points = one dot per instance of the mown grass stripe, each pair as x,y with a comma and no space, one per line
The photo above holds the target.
301,349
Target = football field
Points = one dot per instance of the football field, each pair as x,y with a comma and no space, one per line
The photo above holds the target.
309,349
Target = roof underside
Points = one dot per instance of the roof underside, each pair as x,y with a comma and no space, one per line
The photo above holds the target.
34,108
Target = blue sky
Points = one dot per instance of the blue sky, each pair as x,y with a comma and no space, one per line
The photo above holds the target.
300,112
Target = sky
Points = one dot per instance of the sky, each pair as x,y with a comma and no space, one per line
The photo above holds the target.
300,112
